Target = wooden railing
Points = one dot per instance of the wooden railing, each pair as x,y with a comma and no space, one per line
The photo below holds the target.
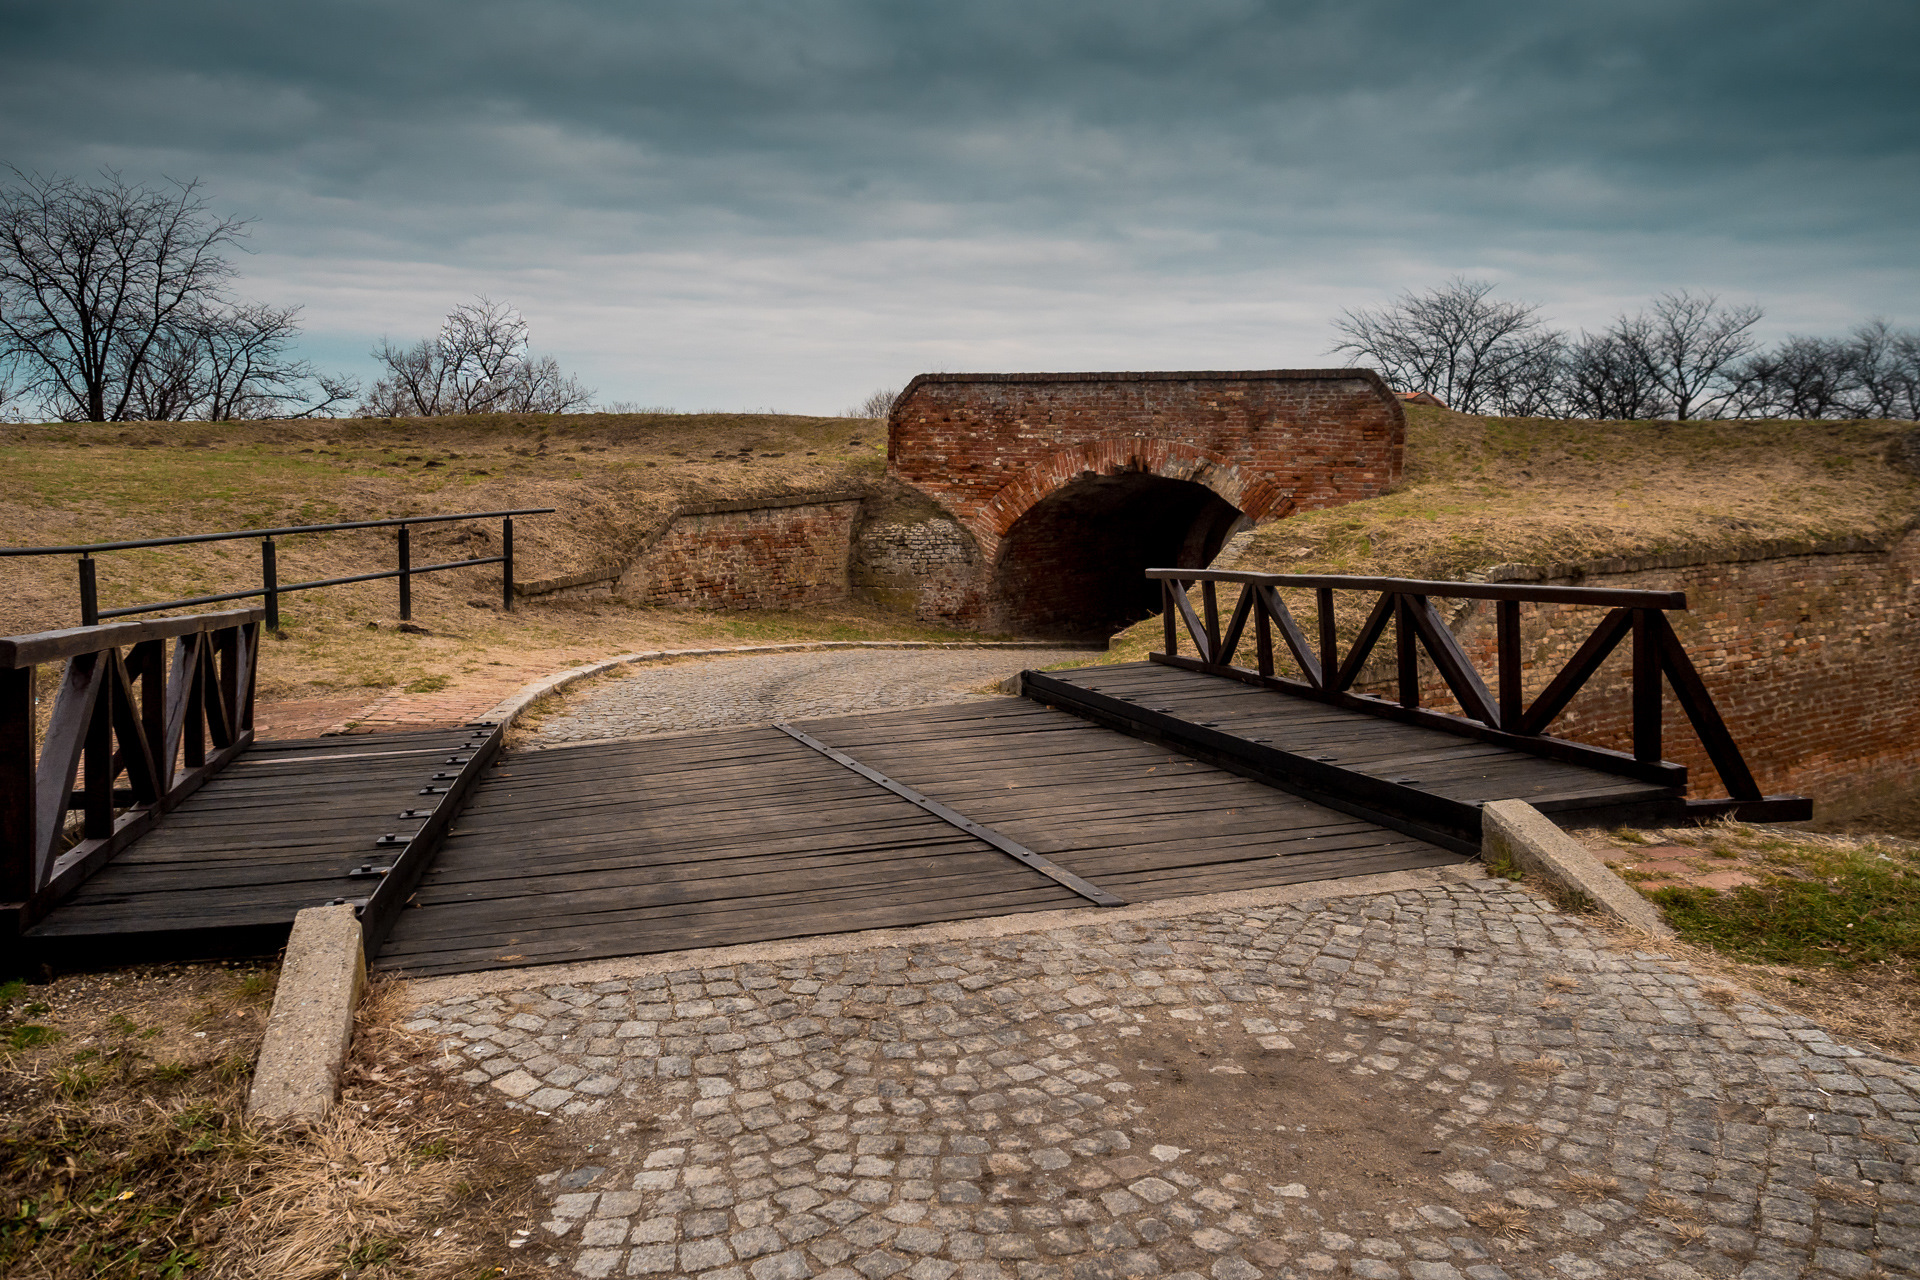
1499,714
138,727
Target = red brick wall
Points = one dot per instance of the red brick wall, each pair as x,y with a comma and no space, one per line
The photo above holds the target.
989,446
736,556
1813,660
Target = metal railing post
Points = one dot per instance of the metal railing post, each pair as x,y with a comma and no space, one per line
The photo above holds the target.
406,576
89,594
269,579
506,564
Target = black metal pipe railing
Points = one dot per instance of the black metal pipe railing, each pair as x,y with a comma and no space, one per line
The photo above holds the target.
88,548
270,589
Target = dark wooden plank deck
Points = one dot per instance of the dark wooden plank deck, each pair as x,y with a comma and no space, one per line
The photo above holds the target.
745,835
1427,775
277,830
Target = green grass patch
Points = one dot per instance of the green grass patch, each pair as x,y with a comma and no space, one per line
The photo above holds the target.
1822,901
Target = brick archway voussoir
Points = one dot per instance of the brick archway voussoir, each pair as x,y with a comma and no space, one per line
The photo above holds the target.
1258,496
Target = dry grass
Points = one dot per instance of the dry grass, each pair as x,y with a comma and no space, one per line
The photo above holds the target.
126,1153
1486,491
1543,1066
1506,1221
1556,496
1662,1205
1383,1011
1847,1192
1586,1186
615,479
1562,982
1513,1133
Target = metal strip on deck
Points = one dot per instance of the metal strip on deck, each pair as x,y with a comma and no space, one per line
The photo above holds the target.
1087,889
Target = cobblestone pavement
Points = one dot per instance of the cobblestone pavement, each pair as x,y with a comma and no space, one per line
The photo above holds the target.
1448,1082
762,688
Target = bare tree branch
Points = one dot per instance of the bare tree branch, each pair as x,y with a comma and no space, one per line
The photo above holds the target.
477,363
1455,343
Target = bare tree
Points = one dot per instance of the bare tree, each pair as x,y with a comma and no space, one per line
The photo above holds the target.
1452,341
1602,377
477,363
233,362
878,404
94,276
1885,367
1690,345
1800,378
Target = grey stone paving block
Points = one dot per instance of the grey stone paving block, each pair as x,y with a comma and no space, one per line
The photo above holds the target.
851,1146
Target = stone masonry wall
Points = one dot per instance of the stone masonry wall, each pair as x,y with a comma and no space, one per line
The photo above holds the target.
764,553
1812,658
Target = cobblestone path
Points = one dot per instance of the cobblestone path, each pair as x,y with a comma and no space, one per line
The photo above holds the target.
1450,1081
714,692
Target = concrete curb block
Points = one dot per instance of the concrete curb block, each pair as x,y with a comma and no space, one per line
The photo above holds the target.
1514,833
297,1076
528,694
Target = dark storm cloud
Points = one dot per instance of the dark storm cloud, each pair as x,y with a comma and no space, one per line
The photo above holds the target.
1033,171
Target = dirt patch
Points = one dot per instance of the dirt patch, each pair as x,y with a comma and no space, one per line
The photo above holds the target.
1288,1116
124,1151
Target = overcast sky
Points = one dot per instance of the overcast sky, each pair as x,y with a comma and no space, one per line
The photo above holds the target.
791,203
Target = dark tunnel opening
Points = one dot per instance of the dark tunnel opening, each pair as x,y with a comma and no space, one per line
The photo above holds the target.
1073,566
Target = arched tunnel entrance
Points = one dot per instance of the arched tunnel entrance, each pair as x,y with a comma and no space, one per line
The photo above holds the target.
1072,566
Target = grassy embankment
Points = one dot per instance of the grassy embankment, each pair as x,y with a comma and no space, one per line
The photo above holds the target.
615,479
1479,492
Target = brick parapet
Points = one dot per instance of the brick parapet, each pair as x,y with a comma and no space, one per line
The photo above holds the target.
991,446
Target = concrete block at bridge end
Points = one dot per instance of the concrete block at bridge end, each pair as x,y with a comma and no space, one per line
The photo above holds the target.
1514,833
297,1076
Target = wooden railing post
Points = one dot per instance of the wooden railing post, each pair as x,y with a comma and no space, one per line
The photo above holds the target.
1646,687
17,823
1513,703
1210,601
1406,648
1167,608
1329,641
1262,632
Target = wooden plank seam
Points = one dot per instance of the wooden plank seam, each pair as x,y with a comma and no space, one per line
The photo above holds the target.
1060,875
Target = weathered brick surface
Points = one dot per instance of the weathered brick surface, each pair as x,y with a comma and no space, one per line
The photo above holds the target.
1812,660
766,557
989,446
993,447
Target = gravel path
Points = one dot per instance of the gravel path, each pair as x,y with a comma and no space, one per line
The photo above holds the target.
758,689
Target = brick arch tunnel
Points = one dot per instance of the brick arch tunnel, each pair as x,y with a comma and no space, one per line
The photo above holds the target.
1072,566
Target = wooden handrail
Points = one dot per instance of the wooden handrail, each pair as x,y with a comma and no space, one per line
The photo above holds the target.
1497,714
165,722
1422,587
53,646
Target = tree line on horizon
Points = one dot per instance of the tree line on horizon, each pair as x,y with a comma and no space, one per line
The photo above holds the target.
1686,355
116,305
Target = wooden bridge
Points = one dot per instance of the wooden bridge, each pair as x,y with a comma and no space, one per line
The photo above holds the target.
146,822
